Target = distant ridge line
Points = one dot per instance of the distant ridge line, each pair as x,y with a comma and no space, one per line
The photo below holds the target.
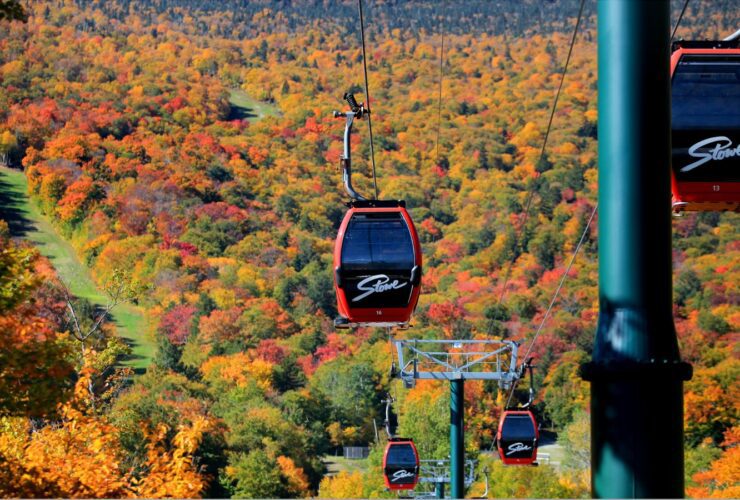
513,17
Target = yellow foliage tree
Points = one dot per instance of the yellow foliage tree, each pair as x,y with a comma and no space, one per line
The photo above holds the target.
238,369
76,458
173,473
297,482
343,485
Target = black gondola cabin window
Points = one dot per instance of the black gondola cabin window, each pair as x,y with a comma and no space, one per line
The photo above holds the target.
377,242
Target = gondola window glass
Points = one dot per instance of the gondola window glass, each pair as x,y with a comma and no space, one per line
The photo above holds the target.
517,427
706,92
377,242
402,455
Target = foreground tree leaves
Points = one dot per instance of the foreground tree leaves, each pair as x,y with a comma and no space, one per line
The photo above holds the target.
79,456
34,358
722,480
12,10
76,458
171,471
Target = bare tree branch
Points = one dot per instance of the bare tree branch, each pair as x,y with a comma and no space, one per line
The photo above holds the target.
117,289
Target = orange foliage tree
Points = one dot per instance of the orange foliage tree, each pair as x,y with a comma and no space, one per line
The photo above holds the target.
722,480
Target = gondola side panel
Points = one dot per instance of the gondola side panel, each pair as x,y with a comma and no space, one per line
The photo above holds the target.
377,266
518,438
401,465
706,128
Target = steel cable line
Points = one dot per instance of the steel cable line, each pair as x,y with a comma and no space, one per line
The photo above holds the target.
680,16
441,74
556,294
530,196
367,98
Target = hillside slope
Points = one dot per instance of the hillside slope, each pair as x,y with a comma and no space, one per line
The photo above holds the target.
121,117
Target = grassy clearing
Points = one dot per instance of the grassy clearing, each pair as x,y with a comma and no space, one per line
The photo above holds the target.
336,464
244,106
552,454
26,221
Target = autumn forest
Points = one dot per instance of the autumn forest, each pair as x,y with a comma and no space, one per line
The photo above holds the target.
185,157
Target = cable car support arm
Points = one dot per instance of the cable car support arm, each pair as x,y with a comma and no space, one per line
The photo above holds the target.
356,110
481,360
387,422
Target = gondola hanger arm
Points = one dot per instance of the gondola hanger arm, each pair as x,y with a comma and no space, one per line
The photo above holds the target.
357,110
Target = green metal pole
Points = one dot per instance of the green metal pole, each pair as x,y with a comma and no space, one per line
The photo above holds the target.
457,439
636,374
439,489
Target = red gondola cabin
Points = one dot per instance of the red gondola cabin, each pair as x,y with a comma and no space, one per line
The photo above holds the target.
401,464
705,87
377,265
517,437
